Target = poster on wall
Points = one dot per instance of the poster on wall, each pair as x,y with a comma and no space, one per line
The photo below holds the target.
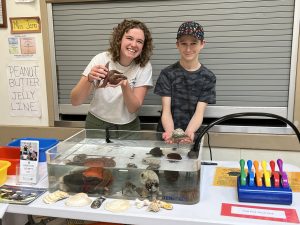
22,47
24,89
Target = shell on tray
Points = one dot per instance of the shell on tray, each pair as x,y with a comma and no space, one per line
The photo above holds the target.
141,203
55,196
78,200
154,206
98,202
117,205
157,204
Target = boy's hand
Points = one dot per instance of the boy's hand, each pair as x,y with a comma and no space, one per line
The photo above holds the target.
190,134
166,136
169,139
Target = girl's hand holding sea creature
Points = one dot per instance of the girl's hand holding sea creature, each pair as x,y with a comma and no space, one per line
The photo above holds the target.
97,73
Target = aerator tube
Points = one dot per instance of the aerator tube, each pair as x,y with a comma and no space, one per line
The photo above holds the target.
195,147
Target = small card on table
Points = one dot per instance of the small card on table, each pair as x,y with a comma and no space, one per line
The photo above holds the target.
29,155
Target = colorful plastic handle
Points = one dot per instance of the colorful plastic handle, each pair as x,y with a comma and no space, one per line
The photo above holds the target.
272,165
256,166
283,175
266,174
276,179
280,165
258,174
243,174
258,178
250,173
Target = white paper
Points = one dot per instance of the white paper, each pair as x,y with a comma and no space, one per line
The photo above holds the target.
258,212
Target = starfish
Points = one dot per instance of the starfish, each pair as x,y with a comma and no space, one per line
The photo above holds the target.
113,77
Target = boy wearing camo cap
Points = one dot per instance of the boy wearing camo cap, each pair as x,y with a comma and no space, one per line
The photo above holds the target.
186,87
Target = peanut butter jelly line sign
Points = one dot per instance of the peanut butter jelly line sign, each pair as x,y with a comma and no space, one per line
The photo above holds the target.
24,90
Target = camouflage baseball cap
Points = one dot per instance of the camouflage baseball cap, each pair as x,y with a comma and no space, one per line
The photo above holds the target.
191,28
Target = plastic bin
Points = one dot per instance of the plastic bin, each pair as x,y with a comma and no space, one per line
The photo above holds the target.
44,145
11,154
3,170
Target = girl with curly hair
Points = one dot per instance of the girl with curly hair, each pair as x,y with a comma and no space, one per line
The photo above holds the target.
119,79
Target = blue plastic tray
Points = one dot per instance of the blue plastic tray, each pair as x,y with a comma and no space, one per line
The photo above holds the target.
270,195
44,145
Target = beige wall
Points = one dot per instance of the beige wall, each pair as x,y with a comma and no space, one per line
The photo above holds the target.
15,127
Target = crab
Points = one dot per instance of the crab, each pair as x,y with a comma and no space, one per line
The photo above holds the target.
113,77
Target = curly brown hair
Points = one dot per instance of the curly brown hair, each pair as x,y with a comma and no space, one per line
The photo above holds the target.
117,35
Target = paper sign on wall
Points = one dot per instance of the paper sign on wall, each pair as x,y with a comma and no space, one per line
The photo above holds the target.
24,90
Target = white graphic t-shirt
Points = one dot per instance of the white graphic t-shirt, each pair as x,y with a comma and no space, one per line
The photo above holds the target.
108,104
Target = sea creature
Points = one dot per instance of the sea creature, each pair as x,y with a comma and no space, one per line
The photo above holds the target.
175,156
91,180
131,165
156,152
94,172
150,179
151,161
113,77
129,189
178,135
95,179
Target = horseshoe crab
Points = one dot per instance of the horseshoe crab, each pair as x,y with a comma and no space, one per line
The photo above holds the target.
91,180
97,178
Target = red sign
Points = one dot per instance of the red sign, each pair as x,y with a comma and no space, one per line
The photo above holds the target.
259,212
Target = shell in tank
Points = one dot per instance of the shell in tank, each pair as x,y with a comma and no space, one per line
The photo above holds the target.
150,179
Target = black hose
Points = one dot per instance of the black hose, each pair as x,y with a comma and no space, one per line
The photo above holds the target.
195,148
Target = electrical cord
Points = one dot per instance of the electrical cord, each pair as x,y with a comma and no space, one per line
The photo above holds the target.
209,147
